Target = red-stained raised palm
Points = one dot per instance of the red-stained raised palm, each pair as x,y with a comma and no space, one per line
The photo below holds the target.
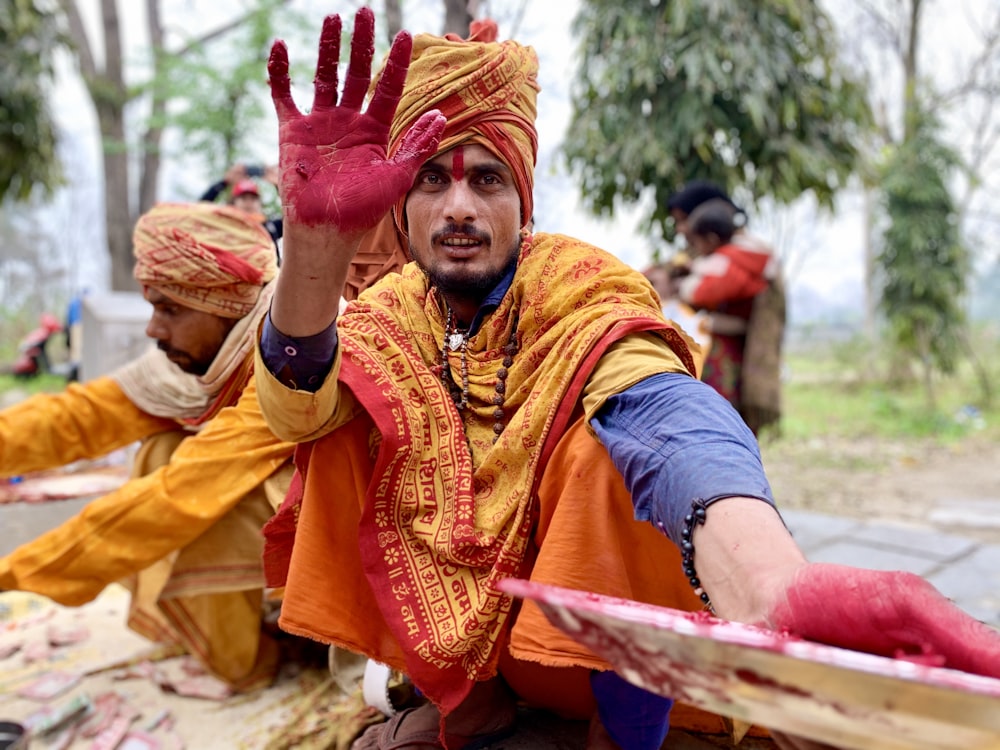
333,165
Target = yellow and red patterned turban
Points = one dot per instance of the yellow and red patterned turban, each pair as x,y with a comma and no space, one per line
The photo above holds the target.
487,91
209,257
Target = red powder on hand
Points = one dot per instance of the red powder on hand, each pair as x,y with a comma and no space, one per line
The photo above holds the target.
889,613
334,169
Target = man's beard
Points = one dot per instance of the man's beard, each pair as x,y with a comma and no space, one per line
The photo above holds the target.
468,283
185,362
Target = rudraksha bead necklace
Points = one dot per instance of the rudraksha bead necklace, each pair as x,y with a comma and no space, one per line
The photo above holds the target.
456,339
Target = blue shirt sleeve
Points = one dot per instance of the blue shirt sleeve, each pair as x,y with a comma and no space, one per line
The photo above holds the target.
675,440
299,363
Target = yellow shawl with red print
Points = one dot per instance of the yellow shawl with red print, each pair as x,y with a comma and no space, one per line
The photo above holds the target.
448,513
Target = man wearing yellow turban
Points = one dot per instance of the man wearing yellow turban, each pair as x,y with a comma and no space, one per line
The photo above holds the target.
509,405
184,532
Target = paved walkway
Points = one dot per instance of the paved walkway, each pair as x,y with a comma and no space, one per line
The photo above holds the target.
22,522
964,569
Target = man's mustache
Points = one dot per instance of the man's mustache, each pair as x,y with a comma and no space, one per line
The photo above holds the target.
465,229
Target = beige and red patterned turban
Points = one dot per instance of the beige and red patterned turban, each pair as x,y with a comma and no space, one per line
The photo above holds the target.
486,89
209,257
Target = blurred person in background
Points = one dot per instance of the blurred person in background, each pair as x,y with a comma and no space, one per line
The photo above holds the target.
735,278
244,194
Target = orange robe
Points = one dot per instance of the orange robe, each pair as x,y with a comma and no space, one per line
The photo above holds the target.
183,533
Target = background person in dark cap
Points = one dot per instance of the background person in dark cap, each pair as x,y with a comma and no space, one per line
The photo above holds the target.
244,194
246,197
692,195
736,278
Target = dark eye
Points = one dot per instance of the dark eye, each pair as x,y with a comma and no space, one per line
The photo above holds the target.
430,178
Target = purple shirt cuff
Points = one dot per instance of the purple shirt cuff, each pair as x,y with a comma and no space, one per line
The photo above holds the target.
299,363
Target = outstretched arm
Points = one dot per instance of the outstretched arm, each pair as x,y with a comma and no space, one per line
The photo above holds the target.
750,564
151,516
745,558
335,178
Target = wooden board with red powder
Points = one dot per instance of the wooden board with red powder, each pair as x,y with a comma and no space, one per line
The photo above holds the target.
843,698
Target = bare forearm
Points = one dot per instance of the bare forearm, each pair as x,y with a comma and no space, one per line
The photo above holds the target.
308,290
743,548
745,558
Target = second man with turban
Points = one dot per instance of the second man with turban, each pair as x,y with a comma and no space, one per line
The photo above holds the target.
184,533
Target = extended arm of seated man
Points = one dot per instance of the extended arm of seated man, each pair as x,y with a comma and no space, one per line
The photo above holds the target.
151,516
674,440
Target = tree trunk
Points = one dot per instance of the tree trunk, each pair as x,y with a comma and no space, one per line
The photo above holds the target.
109,95
107,91
117,217
982,373
393,19
927,370
150,174
869,329
910,70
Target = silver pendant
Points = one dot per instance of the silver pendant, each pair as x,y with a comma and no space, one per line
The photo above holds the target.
455,340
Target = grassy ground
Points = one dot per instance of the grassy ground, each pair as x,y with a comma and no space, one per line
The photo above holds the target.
854,443
40,384
843,391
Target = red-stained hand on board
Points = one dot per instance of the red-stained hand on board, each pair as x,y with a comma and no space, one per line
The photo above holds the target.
889,613
333,165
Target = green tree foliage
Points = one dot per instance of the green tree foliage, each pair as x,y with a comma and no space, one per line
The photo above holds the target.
28,37
748,94
923,265
132,118
218,89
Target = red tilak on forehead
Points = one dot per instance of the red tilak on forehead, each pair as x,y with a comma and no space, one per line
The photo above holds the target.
458,163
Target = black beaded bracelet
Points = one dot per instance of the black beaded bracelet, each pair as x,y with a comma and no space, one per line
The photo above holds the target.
696,516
